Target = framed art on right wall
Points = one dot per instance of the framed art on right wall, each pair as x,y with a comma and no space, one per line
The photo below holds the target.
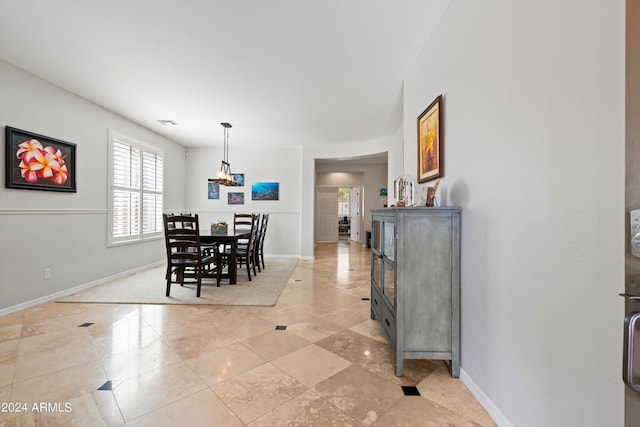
430,142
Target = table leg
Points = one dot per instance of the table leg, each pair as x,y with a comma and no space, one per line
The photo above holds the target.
232,268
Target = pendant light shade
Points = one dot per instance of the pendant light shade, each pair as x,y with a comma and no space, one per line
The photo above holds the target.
225,177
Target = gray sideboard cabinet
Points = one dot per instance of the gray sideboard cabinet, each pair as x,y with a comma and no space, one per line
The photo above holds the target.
415,282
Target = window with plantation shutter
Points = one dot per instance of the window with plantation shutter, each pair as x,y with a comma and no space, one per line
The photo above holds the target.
136,191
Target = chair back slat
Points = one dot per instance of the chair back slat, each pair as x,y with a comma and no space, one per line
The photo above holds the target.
242,221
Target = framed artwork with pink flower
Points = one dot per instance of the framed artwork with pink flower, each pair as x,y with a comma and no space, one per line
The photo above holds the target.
38,162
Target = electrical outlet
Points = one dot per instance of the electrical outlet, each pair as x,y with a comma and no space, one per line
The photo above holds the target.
47,273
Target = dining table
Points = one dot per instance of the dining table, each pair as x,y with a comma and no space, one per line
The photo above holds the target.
229,239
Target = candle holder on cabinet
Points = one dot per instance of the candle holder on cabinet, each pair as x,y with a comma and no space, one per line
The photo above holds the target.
404,190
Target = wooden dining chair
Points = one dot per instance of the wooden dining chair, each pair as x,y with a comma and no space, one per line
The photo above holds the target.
259,246
187,261
241,221
245,254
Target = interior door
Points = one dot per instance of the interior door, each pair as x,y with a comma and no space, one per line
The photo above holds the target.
354,213
631,373
327,215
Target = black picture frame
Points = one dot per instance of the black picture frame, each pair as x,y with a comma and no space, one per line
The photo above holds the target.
38,162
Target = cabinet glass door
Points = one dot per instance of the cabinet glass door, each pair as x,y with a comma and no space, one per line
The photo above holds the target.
388,252
389,289
383,249
376,240
389,240
376,254
376,268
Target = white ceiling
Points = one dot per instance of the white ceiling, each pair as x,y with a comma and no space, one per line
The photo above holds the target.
282,72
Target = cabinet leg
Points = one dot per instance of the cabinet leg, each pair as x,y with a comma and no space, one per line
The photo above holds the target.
399,366
455,368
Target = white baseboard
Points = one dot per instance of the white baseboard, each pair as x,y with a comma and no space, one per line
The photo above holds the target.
296,256
484,400
75,289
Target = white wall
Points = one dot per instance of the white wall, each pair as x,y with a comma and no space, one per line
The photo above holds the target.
273,164
534,153
67,232
75,225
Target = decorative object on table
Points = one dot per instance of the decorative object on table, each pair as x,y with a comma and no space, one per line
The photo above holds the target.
430,158
265,191
219,227
383,196
225,177
214,190
239,179
431,194
38,162
403,190
235,198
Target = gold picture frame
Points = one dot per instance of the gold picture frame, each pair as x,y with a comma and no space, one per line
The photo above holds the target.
430,158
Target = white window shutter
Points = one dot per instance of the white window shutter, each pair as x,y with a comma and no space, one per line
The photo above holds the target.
136,196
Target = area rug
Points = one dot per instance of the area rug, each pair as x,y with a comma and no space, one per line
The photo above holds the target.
149,286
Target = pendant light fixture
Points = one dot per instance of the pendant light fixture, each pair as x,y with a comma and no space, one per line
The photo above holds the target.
225,177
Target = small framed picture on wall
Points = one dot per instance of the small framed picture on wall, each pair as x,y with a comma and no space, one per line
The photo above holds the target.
213,190
235,198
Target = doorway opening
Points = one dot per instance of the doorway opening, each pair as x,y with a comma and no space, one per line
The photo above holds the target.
338,214
349,213
359,177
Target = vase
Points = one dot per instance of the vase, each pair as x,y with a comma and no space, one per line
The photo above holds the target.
218,229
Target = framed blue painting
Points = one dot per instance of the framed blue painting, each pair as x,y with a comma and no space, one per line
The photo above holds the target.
265,191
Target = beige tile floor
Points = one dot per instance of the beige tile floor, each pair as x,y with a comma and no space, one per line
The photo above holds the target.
173,365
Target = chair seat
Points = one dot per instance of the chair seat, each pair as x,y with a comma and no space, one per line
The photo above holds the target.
208,259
